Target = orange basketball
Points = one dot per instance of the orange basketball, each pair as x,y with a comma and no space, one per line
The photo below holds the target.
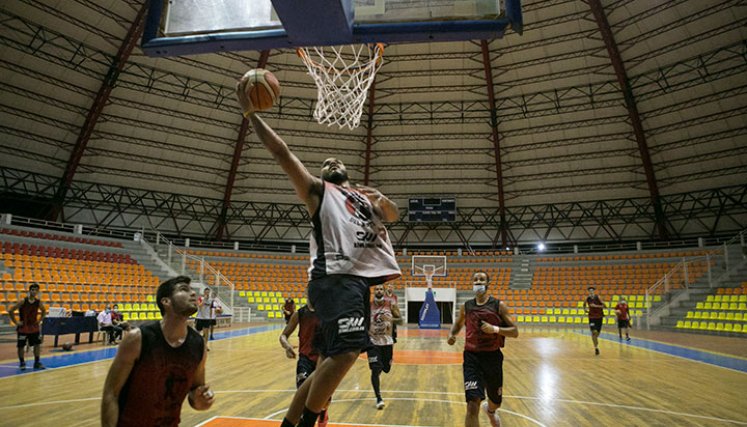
67,346
263,90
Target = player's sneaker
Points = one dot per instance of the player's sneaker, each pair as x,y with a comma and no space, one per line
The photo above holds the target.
596,351
38,365
323,421
627,338
380,404
495,420
22,366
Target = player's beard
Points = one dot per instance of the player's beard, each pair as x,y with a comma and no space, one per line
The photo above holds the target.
187,310
337,177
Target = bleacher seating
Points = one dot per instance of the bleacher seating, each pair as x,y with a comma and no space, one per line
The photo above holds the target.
726,311
60,237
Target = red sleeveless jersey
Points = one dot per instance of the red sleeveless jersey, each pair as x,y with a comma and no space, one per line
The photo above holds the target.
308,324
477,340
595,312
29,315
160,380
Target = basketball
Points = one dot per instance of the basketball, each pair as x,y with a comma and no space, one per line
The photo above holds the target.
67,346
263,90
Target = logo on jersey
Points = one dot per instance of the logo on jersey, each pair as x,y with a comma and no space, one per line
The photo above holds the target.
357,205
301,377
350,324
470,385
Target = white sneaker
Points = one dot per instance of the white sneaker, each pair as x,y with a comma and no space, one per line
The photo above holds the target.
380,404
495,420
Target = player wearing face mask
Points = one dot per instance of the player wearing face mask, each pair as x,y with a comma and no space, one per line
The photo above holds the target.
488,322
384,315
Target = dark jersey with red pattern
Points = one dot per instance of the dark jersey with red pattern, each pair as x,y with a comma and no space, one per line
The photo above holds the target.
160,380
595,312
477,340
308,323
29,315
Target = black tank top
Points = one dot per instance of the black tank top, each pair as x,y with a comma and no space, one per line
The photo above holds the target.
477,340
308,323
160,380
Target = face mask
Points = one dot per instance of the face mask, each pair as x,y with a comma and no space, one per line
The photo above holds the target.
107,311
478,289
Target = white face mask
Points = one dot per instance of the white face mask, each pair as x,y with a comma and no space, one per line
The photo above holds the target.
478,289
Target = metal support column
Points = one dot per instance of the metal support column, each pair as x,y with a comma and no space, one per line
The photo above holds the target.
102,97
635,119
502,228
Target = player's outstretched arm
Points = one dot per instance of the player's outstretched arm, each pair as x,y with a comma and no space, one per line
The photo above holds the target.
127,354
200,396
385,208
307,186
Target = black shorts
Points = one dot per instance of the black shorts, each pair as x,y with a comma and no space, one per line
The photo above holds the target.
596,324
342,304
304,368
201,324
623,324
483,371
380,357
31,339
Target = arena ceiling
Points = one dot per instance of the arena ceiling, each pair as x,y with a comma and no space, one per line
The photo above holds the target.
574,128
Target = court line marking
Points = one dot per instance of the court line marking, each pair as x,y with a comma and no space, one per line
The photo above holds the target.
274,414
571,401
662,351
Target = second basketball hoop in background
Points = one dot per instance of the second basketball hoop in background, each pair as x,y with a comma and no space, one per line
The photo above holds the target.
263,89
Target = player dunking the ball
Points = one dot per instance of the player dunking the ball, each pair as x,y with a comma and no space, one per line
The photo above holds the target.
488,322
350,251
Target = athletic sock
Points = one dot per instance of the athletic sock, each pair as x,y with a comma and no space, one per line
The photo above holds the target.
375,374
287,423
308,419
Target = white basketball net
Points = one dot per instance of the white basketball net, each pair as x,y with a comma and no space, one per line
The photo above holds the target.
343,75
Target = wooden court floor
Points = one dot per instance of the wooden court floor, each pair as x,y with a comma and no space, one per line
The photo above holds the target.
551,378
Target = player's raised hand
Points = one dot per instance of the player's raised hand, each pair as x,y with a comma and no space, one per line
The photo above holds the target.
242,88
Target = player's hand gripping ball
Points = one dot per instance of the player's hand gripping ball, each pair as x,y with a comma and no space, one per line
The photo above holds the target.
257,90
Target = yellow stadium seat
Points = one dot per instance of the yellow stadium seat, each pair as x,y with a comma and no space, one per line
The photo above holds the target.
149,298
687,325
742,298
719,326
151,315
552,319
250,300
690,315
695,325
580,304
270,314
520,318
711,326
242,293
535,319
566,312
543,319
733,306
303,300
700,306
578,320
738,317
143,315
739,328
261,307
680,324
728,327
711,298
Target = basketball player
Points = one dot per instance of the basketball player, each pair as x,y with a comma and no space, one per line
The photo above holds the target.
350,251
28,325
488,322
308,356
158,365
288,308
205,315
394,301
596,316
623,318
383,316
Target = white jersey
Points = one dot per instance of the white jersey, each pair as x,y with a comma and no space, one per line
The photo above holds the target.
381,324
205,311
348,238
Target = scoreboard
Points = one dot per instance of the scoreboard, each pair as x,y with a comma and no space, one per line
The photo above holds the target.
432,209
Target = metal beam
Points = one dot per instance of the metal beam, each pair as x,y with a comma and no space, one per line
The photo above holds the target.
220,225
635,119
102,96
369,132
502,228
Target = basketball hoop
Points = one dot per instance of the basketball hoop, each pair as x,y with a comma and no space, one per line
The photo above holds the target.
428,267
343,75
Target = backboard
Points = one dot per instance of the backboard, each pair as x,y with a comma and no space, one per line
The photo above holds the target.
183,27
